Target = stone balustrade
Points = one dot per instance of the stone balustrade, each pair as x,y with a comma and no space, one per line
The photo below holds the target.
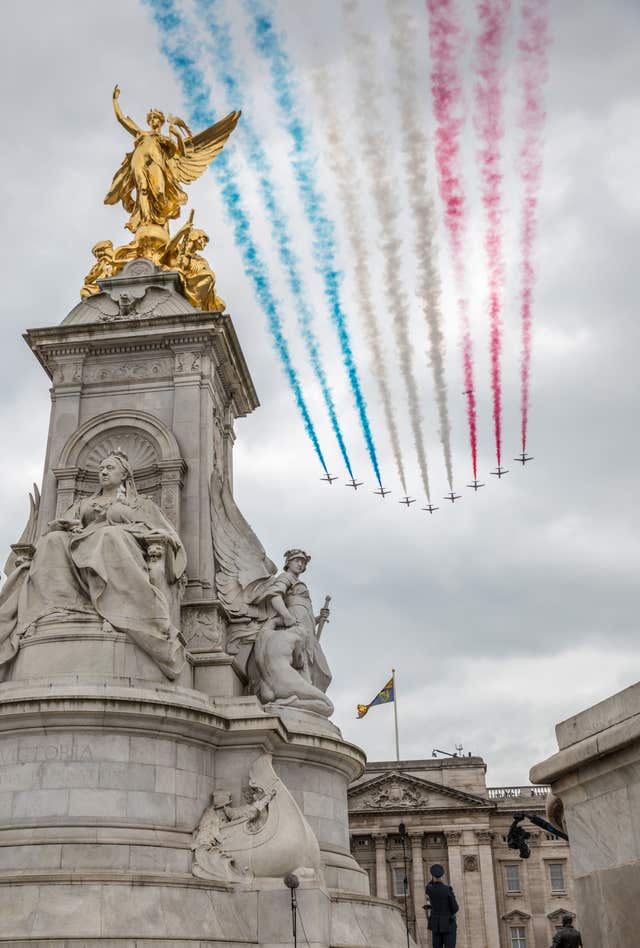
516,793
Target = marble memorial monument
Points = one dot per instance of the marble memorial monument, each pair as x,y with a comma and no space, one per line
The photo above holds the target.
166,749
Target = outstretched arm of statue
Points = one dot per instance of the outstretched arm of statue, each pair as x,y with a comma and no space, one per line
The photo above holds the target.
125,120
280,607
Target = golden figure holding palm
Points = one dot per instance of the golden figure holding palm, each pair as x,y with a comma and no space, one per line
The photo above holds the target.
149,185
148,182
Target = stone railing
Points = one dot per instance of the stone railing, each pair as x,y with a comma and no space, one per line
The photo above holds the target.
516,793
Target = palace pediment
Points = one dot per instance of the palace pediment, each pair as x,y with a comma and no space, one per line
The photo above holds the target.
516,916
398,791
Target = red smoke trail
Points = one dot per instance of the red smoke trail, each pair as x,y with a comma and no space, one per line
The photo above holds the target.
446,40
493,16
533,47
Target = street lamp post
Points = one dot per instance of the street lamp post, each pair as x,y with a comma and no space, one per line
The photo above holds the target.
402,830
292,882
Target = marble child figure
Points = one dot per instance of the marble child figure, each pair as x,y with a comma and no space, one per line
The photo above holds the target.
93,560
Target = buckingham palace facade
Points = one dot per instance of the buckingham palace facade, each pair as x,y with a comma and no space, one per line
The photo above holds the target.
453,818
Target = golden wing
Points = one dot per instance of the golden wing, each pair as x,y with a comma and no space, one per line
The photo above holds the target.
200,150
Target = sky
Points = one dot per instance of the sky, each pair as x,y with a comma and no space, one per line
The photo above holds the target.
517,606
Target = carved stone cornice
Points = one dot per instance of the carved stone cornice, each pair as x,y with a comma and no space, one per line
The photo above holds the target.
153,335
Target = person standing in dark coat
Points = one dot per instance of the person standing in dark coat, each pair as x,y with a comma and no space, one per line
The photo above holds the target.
568,936
443,908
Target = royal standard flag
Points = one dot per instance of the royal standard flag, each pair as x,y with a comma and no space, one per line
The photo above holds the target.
384,696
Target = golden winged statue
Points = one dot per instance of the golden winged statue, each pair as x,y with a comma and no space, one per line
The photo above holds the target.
148,182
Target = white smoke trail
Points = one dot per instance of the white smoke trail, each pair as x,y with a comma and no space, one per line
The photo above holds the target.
415,149
337,157
369,123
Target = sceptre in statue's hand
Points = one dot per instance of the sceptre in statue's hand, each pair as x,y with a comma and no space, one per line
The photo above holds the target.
323,618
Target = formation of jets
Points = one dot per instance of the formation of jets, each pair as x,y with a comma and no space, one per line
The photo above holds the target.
475,485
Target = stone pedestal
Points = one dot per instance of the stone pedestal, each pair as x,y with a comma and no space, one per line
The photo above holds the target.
111,775
100,790
596,774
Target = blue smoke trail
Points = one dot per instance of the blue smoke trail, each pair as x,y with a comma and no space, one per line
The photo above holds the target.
178,52
227,72
267,42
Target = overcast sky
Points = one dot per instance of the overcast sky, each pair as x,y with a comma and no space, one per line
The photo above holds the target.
515,607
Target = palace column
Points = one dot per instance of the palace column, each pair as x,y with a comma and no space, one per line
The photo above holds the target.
419,897
487,882
456,880
382,888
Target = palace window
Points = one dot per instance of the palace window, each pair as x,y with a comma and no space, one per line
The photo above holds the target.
518,937
398,880
556,876
512,877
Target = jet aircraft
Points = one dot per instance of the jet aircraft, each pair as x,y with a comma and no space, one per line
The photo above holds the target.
500,471
354,483
407,501
475,486
329,478
430,508
382,492
452,497
523,458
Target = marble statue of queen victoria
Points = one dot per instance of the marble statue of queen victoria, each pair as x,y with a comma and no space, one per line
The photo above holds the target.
92,560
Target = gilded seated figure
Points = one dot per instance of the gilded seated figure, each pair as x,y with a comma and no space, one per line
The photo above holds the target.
198,279
105,266
93,560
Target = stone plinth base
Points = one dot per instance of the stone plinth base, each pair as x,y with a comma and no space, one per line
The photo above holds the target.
596,774
101,788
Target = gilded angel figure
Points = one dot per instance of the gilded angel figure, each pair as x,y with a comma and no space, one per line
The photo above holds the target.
149,180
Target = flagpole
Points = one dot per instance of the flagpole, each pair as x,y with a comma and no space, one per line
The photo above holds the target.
395,711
